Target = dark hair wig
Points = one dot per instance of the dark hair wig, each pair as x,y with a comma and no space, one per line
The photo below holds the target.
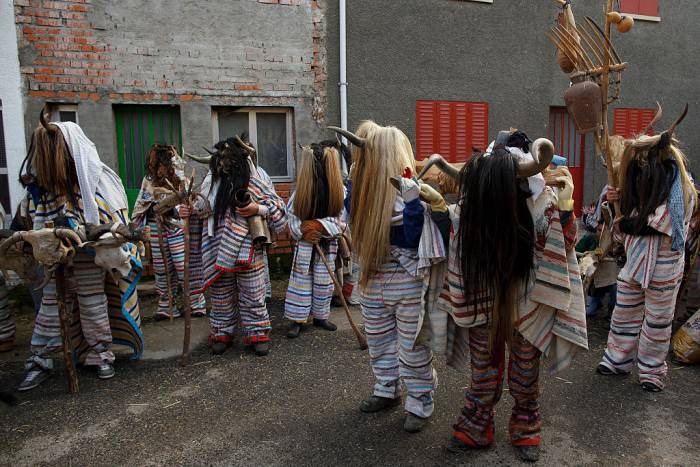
496,236
647,184
230,167
160,167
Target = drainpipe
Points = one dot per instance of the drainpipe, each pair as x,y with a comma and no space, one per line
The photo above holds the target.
343,84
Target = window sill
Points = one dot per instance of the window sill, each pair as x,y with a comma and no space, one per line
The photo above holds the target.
481,1
651,19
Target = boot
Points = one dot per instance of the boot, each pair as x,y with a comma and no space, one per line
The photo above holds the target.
105,371
528,453
335,302
651,387
294,330
414,423
261,348
325,324
375,404
36,374
219,344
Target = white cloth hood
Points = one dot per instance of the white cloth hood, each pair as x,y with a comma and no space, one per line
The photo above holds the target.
536,182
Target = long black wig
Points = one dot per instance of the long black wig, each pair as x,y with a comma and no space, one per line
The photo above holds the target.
229,166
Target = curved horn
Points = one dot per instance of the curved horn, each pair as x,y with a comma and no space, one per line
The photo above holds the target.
244,145
543,152
8,242
442,164
654,120
200,159
48,273
678,121
50,127
69,235
211,153
352,137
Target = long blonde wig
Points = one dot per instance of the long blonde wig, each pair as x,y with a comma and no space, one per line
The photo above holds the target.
320,190
386,153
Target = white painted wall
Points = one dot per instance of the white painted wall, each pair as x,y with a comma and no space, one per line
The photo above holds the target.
11,95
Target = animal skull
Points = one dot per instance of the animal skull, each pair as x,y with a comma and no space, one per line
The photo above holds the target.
111,255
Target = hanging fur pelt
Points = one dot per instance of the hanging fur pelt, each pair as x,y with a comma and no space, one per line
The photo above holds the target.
230,166
319,191
160,166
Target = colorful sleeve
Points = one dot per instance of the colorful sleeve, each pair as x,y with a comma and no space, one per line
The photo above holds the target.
276,212
413,219
569,227
293,222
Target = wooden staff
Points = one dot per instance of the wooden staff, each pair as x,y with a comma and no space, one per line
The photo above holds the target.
361,339
64,320
605,88
166,265
188,201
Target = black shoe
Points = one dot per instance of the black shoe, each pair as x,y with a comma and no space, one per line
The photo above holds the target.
604,370
456,445
294,330
375,404
651,387
528,453
325,324
105,371
218,348
414,423
335,302
261,348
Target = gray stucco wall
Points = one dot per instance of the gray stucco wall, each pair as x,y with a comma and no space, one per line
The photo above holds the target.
402,51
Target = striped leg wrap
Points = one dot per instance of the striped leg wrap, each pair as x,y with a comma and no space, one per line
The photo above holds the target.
159,270
175,241
523,382
224,305
7,324
390,309
309,293
255,321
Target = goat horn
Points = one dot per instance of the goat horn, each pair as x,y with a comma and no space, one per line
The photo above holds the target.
8,242
69,234
352,137
50,127
654,120
442,164
543,152
200,159
245,146
678,121
48,274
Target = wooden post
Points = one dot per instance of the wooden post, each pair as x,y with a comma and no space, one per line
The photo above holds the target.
64,320
605,89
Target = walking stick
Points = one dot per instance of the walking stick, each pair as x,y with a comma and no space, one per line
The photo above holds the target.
64,320
166,265
185,359
361,339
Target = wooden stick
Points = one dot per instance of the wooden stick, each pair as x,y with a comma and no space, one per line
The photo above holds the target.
185,360
166,265
64,320
361,339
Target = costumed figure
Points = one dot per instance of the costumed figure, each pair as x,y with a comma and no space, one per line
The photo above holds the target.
65,178
513,281
167,237
314,211
231,261
397,243
7,324
657,200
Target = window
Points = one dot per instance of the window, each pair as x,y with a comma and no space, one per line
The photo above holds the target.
270,131
4,181
64,113
631,122
451,129
641,9
570,144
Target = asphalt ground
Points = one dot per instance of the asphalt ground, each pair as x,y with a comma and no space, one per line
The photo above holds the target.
299,406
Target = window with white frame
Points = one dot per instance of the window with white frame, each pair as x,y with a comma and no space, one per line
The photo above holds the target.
270,129
64,113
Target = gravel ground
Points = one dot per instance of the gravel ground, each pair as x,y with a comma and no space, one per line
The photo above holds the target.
299,406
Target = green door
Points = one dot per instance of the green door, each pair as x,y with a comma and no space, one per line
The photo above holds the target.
138,128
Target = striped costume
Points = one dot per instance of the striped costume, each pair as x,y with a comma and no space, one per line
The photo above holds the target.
7,324
107,312
173,239
268,284
647,288
310,287
551,322
234,269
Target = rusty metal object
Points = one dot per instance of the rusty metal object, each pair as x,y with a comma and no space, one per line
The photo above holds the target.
256,224
584,101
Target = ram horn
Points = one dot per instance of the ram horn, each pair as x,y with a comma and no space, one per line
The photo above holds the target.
69,234
542,152
244,145
654,120
48,274
50,127
352,137
8,242
678,121
442,164
200,159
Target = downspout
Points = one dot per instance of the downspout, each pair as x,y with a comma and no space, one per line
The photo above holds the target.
343,74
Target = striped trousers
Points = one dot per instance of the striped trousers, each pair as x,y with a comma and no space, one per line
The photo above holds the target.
641,323
310,293
86,286
7,324
238,299
174,245
475,424
391,305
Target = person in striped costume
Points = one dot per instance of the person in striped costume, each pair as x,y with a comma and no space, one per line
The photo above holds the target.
396,242
657,200
513,282
314,211
161,171
232,262
7,324
65,177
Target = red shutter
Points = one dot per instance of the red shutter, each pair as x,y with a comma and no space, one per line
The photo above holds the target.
570,144
631,122
450,128
640,7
